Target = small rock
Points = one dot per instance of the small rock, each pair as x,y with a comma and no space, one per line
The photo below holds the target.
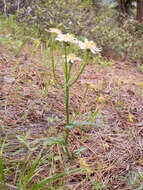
9,79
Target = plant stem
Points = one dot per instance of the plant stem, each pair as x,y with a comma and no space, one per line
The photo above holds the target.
93,114
53,65
66,86
95,104
83,98
67,99
21,47
82,69
70,67
67,105
2,175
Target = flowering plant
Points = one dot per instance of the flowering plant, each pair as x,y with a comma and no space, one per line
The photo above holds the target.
69,60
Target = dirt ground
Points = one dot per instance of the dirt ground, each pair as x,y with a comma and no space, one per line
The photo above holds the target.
31,102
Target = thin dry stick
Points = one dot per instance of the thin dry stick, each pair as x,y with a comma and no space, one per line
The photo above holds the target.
11,186
82,143
5,8
78,185
60,154
18,5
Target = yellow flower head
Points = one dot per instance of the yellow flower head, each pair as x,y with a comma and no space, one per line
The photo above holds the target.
89,45
72,58
91,85
85,167
66,38
55,30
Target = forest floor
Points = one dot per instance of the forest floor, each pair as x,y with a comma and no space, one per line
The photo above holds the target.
31,103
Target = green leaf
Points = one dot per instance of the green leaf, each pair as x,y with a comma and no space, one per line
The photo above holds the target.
54,140
20,179
71,126
80,150
51,178
56,158
28,177
24,141
85,123
2,176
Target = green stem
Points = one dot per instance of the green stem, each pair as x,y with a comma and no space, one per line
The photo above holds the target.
96,102
82,69
83,98
67,105
66,86
93,114
2,175
67,99
76,72
69,72
67,120
53,66
21,47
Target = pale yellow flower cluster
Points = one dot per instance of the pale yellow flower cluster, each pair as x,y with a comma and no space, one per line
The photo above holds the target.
70,38
66,38
72,58
91,85
90,45
55,30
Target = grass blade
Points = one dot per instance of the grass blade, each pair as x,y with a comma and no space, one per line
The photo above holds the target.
32,170
51,178
2,176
